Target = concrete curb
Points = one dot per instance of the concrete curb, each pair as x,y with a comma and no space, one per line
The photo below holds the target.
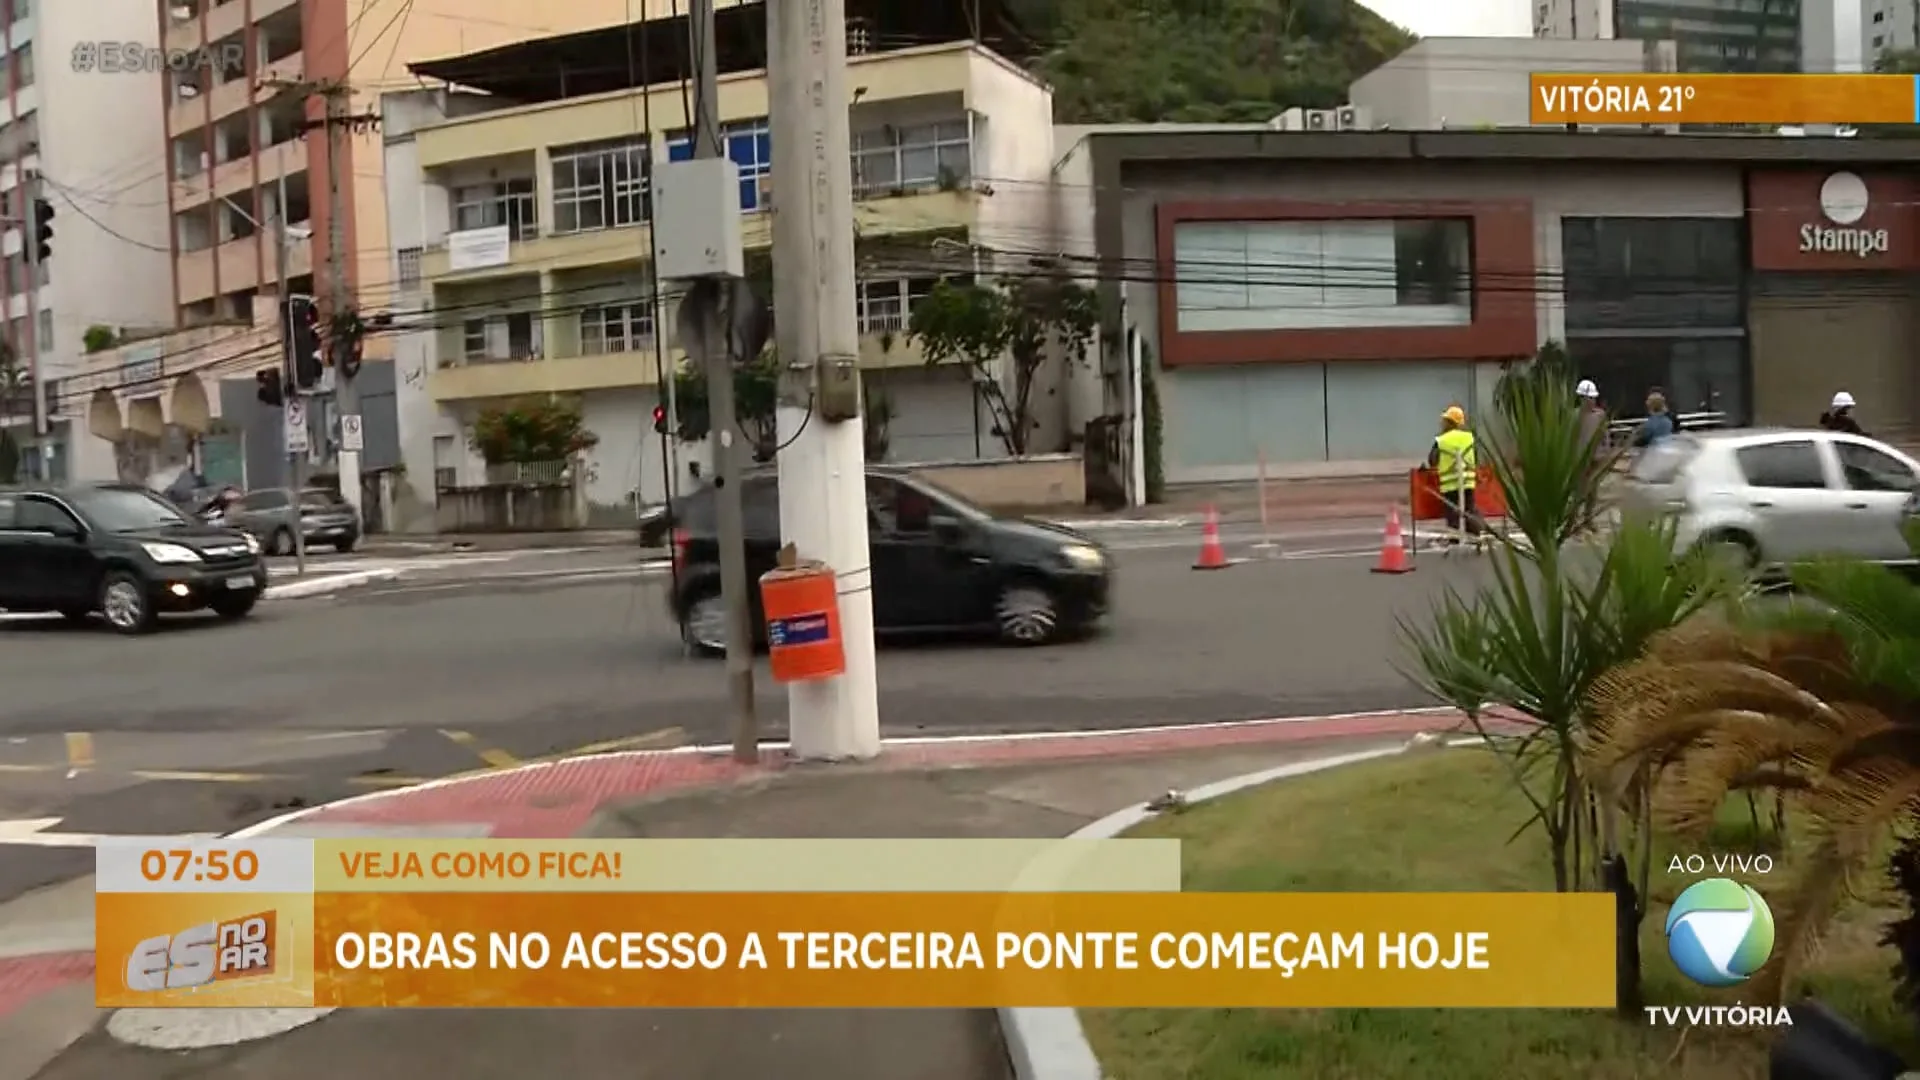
330,583
1050,1044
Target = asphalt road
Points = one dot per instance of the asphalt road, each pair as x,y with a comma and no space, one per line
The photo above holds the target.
207,726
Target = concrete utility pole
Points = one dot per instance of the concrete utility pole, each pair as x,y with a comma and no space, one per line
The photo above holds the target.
292,411
823,498
336,121
722,417
346,397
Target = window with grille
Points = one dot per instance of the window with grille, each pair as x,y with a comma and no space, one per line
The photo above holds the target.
616,328
503,202
884,306
600,187
409,259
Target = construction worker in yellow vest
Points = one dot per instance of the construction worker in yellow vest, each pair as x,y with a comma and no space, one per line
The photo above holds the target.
1455,472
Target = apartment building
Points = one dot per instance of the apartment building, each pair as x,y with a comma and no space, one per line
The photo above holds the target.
65,120
239,151
1887,25
1719,35
521,233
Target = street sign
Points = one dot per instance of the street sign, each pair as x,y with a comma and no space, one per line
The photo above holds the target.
351,437
296,422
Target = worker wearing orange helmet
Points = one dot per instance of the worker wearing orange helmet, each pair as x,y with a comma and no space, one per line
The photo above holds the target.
1456,469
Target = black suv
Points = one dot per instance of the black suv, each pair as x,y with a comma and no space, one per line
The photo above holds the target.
939,564
123,552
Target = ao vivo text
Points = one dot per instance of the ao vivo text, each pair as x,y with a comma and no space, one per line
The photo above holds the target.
910,951
208,953
1720,864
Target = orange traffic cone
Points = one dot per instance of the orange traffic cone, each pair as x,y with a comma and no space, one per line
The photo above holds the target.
1212,555
1393,549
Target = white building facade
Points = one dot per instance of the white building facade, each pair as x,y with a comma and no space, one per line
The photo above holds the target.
82,100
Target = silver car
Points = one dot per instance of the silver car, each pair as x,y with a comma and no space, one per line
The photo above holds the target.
325,519
1777,496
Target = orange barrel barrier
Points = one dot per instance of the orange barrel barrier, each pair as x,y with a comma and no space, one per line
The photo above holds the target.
802,604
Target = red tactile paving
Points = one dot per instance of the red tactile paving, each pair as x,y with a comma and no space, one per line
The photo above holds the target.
23,978
558,799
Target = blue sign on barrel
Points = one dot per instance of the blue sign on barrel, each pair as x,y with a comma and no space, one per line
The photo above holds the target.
807,629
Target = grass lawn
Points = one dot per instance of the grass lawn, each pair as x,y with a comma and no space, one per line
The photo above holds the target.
1439,822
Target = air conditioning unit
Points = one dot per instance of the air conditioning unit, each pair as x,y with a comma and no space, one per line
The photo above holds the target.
1353,118
181,13
1319,120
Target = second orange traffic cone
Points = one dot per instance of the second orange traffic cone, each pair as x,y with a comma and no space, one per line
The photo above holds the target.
1213,556
1393,548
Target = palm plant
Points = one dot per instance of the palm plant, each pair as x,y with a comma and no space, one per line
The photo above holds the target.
1556,618
1817,701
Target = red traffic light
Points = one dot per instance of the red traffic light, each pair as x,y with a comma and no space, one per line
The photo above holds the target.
660,419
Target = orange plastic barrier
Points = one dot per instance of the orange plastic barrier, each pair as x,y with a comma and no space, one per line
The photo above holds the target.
802,603
1423,495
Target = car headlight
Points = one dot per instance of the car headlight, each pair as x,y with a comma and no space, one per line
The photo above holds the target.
1083,556
171,553
253,542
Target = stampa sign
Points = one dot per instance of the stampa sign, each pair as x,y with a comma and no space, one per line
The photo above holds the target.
1843,200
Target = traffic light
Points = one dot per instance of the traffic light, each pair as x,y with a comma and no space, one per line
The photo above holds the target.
43,229
300,321
659,419
268,389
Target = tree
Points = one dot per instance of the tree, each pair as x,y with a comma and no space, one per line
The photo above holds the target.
1554,621
1816,701
99,339
756,399
15,395
1203,61
530,432
1019,322
1898,62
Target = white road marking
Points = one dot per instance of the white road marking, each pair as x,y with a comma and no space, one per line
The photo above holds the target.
33,832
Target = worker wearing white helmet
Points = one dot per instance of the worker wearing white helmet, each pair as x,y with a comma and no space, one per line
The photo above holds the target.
1839,415
1593,418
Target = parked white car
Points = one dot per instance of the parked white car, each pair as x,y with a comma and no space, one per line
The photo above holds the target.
1779,496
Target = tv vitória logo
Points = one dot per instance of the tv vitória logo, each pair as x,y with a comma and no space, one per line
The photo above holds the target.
1719,932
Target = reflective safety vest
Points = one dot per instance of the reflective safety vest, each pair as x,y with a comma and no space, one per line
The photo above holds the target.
1457,468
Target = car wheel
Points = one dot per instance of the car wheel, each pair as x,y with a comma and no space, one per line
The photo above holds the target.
124,603
235,607
1027,615
1735,551
344,546
704,625
281,543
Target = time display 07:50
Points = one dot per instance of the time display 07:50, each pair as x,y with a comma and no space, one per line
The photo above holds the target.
211,864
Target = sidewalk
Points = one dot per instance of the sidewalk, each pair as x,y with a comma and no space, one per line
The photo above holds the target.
1037,786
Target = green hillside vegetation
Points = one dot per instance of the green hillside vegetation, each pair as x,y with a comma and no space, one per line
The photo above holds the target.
1203,61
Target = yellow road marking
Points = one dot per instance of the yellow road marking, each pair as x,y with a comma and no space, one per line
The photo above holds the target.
497,759
79,750
652,740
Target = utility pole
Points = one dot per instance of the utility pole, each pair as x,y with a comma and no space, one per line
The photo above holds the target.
30,241
336,121
292,412
823,498
722,417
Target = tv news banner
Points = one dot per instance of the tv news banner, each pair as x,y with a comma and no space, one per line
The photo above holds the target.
1661,99
798,923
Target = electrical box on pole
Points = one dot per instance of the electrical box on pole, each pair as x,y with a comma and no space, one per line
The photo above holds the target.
696,220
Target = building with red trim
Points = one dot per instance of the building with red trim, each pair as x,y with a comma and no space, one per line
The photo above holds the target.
1317,299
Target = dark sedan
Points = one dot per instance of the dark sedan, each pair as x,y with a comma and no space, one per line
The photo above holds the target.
939,563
